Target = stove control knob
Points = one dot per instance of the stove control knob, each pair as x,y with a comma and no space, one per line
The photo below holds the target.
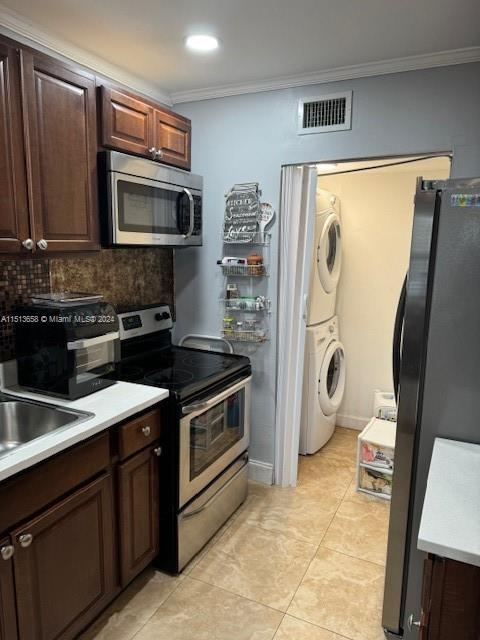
158,317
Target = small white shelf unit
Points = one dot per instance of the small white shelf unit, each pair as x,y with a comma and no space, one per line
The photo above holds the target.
376,458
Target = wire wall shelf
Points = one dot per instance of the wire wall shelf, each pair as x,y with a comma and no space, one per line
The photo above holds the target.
246,270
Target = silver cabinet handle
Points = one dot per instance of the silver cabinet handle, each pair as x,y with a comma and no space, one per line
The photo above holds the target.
192,213
158,451
159,153
28,244
42,244
146,431
25,540
153,152
7,551
413,623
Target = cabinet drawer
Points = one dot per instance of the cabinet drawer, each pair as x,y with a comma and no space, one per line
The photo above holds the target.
135,435
51,480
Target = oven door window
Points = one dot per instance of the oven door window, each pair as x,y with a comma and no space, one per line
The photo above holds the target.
214,432
146,208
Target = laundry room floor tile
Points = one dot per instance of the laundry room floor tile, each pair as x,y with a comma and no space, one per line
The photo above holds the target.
340,443
332,474
261,565
342,594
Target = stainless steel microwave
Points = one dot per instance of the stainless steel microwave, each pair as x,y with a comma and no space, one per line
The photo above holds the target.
147,203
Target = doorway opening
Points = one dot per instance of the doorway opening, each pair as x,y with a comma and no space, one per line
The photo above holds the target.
351,243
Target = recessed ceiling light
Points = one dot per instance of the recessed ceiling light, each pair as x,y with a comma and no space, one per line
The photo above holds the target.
201,43
326,166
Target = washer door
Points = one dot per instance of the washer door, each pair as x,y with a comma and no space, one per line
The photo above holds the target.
331,380
329,253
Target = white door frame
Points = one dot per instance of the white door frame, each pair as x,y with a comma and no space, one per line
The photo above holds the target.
297,224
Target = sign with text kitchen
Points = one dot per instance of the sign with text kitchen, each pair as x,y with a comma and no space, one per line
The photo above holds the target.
242,211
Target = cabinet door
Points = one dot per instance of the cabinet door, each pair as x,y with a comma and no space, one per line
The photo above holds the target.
173,138
14,221
450,600
64,564
8,619
139,512
62,154
127,123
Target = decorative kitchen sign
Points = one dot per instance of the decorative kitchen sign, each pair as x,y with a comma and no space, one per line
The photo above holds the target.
242,213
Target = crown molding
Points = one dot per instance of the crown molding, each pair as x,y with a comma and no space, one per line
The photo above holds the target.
384,67
20,28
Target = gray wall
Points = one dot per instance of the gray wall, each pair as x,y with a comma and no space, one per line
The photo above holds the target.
249,137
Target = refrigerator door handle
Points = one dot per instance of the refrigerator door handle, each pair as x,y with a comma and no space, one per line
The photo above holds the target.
397,338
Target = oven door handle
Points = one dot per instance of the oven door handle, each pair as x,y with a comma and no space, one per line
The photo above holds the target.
192,213
210,402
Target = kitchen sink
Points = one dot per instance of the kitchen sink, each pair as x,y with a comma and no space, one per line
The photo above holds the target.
22,421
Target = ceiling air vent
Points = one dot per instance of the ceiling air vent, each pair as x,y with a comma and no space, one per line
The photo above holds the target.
332,112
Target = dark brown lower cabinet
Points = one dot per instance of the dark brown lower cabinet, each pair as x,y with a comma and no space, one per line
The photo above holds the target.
8,618
450,600
139,512
64,564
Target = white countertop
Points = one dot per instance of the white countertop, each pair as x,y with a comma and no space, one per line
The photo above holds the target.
450,525
109,406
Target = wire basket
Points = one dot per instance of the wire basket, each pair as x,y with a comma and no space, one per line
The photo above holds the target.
246,237
249,270
248,305
257,335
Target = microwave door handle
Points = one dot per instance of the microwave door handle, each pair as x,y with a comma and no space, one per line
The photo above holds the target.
192,213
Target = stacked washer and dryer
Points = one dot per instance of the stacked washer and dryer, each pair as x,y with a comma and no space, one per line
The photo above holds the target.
324,372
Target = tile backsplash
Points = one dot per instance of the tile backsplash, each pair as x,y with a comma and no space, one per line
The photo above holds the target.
125,277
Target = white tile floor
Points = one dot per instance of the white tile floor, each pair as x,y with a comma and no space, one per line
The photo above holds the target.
297,564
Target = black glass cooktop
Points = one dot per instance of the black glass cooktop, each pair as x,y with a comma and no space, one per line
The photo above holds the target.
181,370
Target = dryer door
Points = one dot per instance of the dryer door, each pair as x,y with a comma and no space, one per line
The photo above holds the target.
331,382
329,253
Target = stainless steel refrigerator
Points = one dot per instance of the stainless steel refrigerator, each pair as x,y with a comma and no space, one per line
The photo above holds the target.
436,373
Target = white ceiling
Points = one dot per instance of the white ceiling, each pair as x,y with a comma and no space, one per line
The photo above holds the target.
261,39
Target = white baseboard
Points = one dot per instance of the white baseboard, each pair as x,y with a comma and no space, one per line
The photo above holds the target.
352,422
260,471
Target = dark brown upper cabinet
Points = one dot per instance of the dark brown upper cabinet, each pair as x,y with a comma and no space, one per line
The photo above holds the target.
133,125
48,142
61,135
127,123
172,138
14,217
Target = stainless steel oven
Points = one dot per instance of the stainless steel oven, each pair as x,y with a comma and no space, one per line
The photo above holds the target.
214,432
146,203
